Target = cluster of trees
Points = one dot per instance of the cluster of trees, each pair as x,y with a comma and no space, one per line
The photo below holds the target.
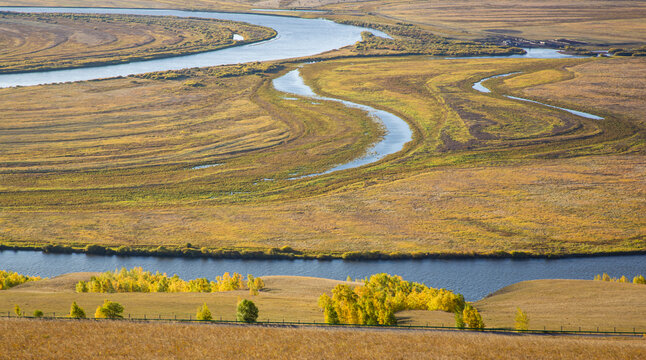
412,39
639,279
10,279
138,280
380,297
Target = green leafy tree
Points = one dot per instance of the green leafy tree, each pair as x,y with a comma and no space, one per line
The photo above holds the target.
38,314
521,320
109,310
472,318
247,311
17,310
81,287
331,317
459,322
76,311
203,313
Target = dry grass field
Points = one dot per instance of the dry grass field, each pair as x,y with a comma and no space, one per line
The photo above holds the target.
616,85
48,41
550,304
284,298
484,174
601,23
44,339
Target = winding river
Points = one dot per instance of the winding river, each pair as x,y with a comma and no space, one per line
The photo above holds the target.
397,131
297,37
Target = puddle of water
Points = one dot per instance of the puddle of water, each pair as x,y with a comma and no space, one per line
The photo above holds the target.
204,166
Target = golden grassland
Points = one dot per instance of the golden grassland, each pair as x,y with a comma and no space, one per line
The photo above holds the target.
283,298
599,23
550,304
213,5
622,91
46,339
572,303
48,41
484,173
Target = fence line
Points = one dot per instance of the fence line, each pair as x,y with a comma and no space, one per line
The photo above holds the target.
267,322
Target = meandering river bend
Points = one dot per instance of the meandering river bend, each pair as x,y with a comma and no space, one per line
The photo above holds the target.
297,37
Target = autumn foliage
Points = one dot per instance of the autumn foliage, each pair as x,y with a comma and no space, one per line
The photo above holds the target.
639,279
10,279
379,298
138,280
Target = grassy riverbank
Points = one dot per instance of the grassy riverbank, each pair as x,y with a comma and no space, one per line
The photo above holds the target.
53,41
601,23
569,304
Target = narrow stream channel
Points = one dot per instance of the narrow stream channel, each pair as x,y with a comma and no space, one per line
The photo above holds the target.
397,131
479,87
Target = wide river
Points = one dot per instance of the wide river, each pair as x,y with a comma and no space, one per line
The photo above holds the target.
474,278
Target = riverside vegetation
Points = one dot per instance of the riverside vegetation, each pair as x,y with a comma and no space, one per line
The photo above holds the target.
53,41
639,279
9,279
138,280
381,296
564,304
